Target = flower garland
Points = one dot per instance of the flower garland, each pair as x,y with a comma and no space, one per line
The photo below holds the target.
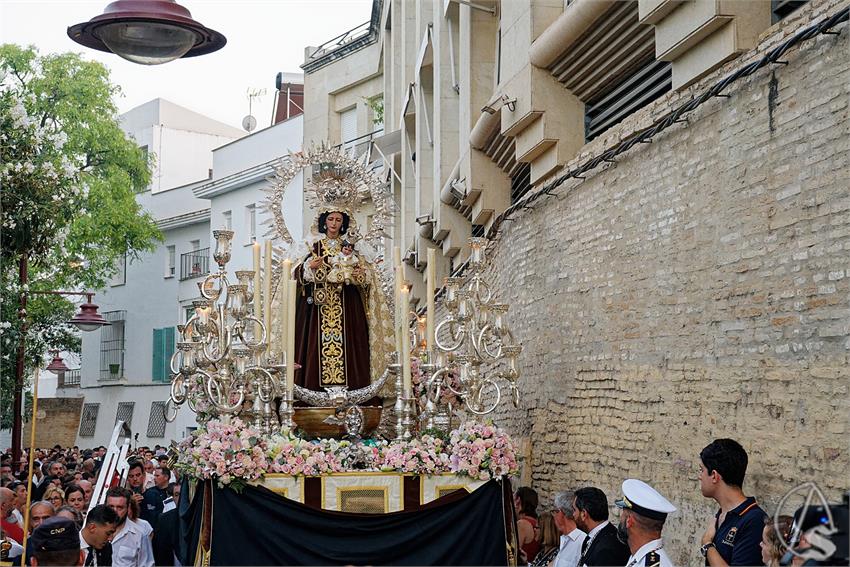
234,454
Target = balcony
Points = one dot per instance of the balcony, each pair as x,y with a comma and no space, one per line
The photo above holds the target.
195,264
69,379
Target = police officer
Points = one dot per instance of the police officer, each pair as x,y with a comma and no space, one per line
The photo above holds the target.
644,511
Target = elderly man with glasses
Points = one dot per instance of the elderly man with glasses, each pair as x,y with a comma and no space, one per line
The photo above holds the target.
572,538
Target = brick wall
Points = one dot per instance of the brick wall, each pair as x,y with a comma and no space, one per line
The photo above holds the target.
58,420
698,288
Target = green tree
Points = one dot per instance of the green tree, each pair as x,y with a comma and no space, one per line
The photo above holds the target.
68,181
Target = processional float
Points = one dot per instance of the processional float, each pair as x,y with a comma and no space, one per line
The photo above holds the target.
235,356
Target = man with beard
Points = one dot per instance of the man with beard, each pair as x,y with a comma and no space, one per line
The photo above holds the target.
601,547
101,522
136,481
644,511
127,543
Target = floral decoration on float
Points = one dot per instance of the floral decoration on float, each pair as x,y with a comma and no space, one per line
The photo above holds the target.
234,454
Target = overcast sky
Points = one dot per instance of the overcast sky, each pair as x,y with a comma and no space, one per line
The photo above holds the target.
263,38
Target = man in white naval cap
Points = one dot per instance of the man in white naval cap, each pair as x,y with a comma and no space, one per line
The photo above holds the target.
644,511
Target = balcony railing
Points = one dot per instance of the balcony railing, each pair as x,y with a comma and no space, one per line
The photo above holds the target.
69,378
195,264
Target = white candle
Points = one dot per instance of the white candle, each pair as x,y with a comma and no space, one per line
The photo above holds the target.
400,314
405,347
291,288
257,287
267,290
283,294
430,312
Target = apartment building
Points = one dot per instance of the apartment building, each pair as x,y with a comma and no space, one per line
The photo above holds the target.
124,372
647,289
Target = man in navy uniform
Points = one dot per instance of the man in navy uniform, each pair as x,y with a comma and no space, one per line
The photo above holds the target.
734,534
644,511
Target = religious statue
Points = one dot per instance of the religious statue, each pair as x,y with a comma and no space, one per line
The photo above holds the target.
332,315
343,323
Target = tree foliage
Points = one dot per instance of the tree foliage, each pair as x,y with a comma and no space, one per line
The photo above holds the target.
68,181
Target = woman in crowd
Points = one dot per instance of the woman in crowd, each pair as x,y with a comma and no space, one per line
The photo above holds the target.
773,544
55,496
525,502
550,541
76,498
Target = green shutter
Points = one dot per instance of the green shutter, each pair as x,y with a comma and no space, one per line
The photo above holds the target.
169,352
158,354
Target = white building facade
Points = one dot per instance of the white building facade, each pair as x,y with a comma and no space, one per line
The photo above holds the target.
124,370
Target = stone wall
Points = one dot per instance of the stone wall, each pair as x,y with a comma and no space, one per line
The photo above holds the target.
698,288
58,420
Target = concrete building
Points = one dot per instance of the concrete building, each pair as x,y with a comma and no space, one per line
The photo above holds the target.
124,371
692,287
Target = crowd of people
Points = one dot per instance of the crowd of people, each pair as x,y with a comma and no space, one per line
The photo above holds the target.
134,527
576,530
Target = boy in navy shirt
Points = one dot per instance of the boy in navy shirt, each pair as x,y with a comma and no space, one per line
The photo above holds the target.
734,533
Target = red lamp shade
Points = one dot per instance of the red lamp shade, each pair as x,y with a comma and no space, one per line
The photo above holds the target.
88,319
57,365
148,32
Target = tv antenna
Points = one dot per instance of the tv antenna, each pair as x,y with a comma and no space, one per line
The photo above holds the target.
249,123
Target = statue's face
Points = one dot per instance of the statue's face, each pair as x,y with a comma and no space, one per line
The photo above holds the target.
333,223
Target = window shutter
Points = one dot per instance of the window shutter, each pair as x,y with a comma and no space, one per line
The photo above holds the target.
348,125
158,354
168,353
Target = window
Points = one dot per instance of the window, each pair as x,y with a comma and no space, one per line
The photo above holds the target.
163,350
348,125
88,420
120,275
195,244
112,346
125,413
227,220
156,422
189,311
170,261
520,182
251,222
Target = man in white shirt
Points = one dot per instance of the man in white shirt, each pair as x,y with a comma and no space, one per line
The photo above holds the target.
644,511
128,544
95,535
571,537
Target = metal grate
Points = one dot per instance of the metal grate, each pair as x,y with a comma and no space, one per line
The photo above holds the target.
88,420
156,422
783,8
195,264
112,346
69,378
520,182
363,500
125,412
477,230
651,80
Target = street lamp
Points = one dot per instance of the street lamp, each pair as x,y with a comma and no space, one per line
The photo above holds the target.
57,365
87,319
148,32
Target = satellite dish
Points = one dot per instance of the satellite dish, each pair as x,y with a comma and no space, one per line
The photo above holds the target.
249,123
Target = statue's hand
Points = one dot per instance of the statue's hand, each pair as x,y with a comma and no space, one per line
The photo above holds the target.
315,263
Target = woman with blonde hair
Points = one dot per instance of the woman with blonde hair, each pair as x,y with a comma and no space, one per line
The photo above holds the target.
773,544
549,539
55,496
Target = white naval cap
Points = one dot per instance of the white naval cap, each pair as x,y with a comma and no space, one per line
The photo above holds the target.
642,499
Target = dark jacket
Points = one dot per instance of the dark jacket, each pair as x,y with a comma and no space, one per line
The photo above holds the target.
152,504
606,549
165,538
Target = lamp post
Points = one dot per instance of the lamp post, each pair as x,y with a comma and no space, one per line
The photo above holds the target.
148,32
87,319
